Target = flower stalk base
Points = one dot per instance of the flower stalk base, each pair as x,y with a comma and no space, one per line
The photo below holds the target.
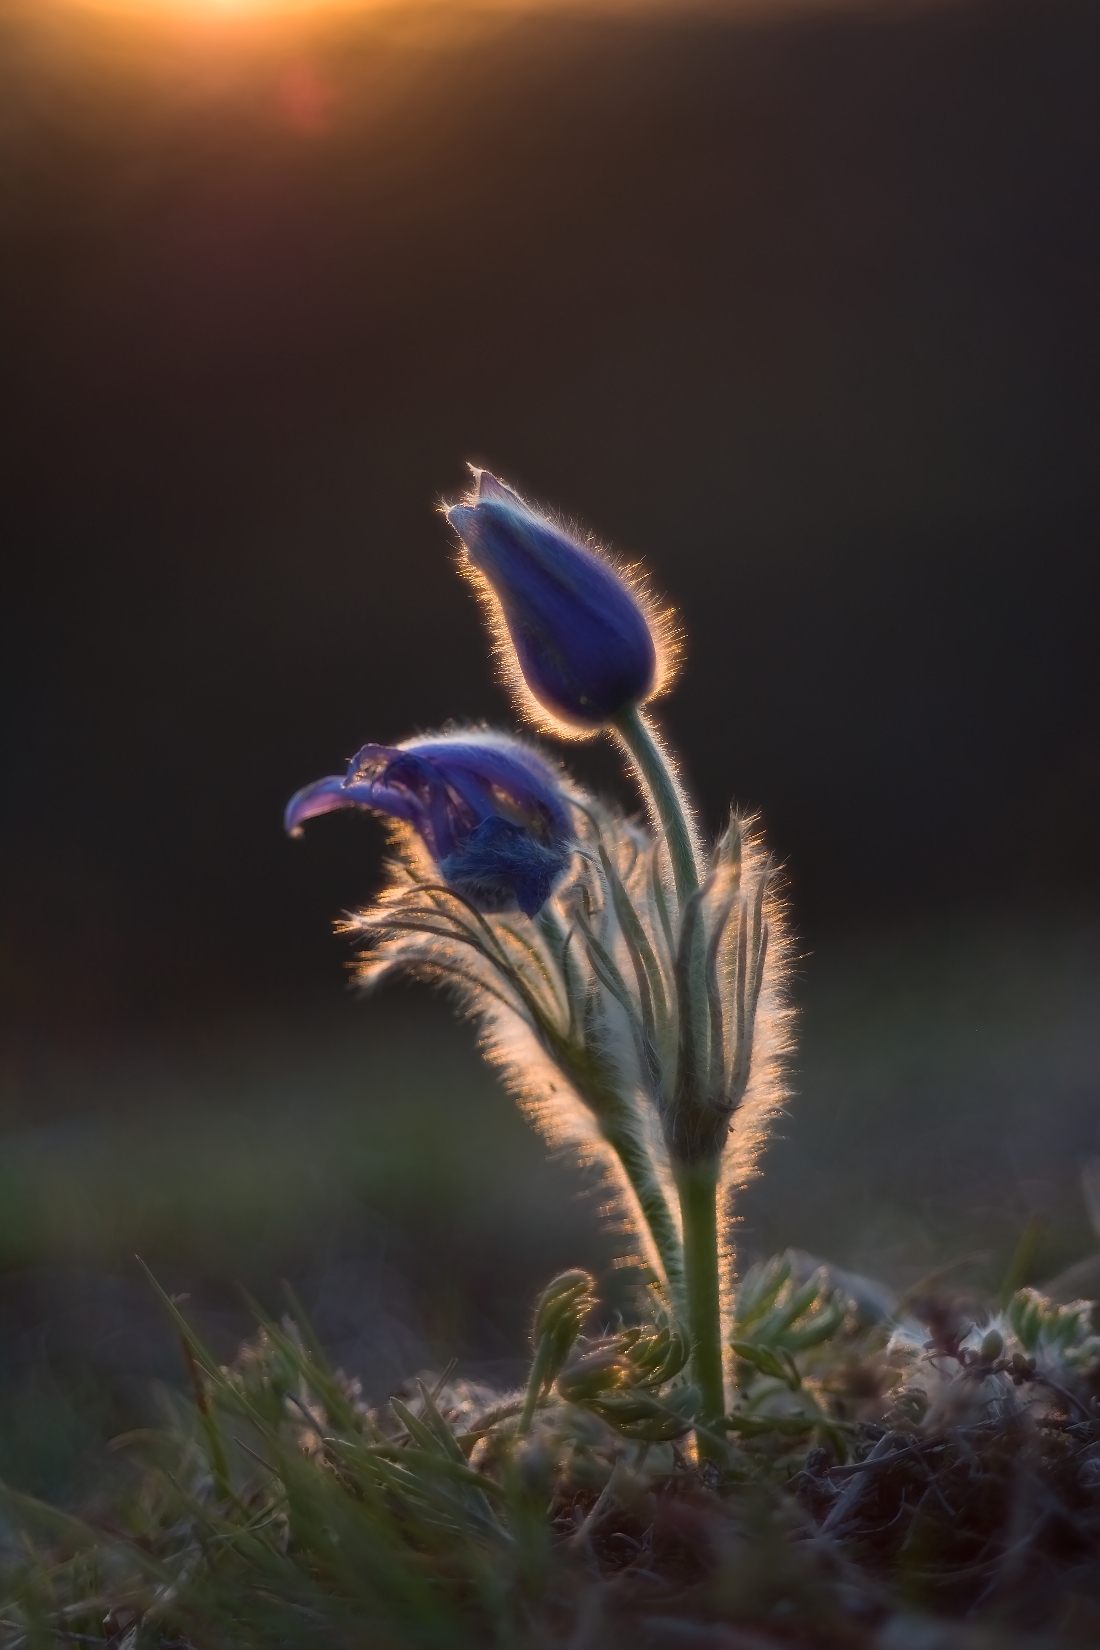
697,1184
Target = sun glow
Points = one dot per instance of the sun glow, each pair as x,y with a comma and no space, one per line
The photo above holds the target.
213,9
206,10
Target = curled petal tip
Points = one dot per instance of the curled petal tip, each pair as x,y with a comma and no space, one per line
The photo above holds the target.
487,485
324,796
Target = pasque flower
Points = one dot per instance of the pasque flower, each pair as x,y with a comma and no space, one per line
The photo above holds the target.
642,1017
489,810
582,639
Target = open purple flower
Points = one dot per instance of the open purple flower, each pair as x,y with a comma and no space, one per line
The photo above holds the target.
489,810
583,642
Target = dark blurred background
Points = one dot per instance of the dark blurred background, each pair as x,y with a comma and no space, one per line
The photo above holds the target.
804,308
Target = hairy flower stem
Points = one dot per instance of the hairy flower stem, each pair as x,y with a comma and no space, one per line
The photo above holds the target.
662,788
696,1182
698,1187
620,1129
638,1167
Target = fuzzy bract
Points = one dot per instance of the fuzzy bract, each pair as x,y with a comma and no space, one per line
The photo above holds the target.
590,1014
489,810
582,641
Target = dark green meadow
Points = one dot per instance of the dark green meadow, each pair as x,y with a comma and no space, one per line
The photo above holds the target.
946,1096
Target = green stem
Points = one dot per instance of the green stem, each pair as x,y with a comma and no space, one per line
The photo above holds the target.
622,1129
621,1136
698,1188
697,1182
667,799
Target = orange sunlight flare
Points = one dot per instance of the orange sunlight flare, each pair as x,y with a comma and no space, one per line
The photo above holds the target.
205,10
213,9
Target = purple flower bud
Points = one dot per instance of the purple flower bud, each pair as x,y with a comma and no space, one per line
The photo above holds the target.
489,810
583,642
